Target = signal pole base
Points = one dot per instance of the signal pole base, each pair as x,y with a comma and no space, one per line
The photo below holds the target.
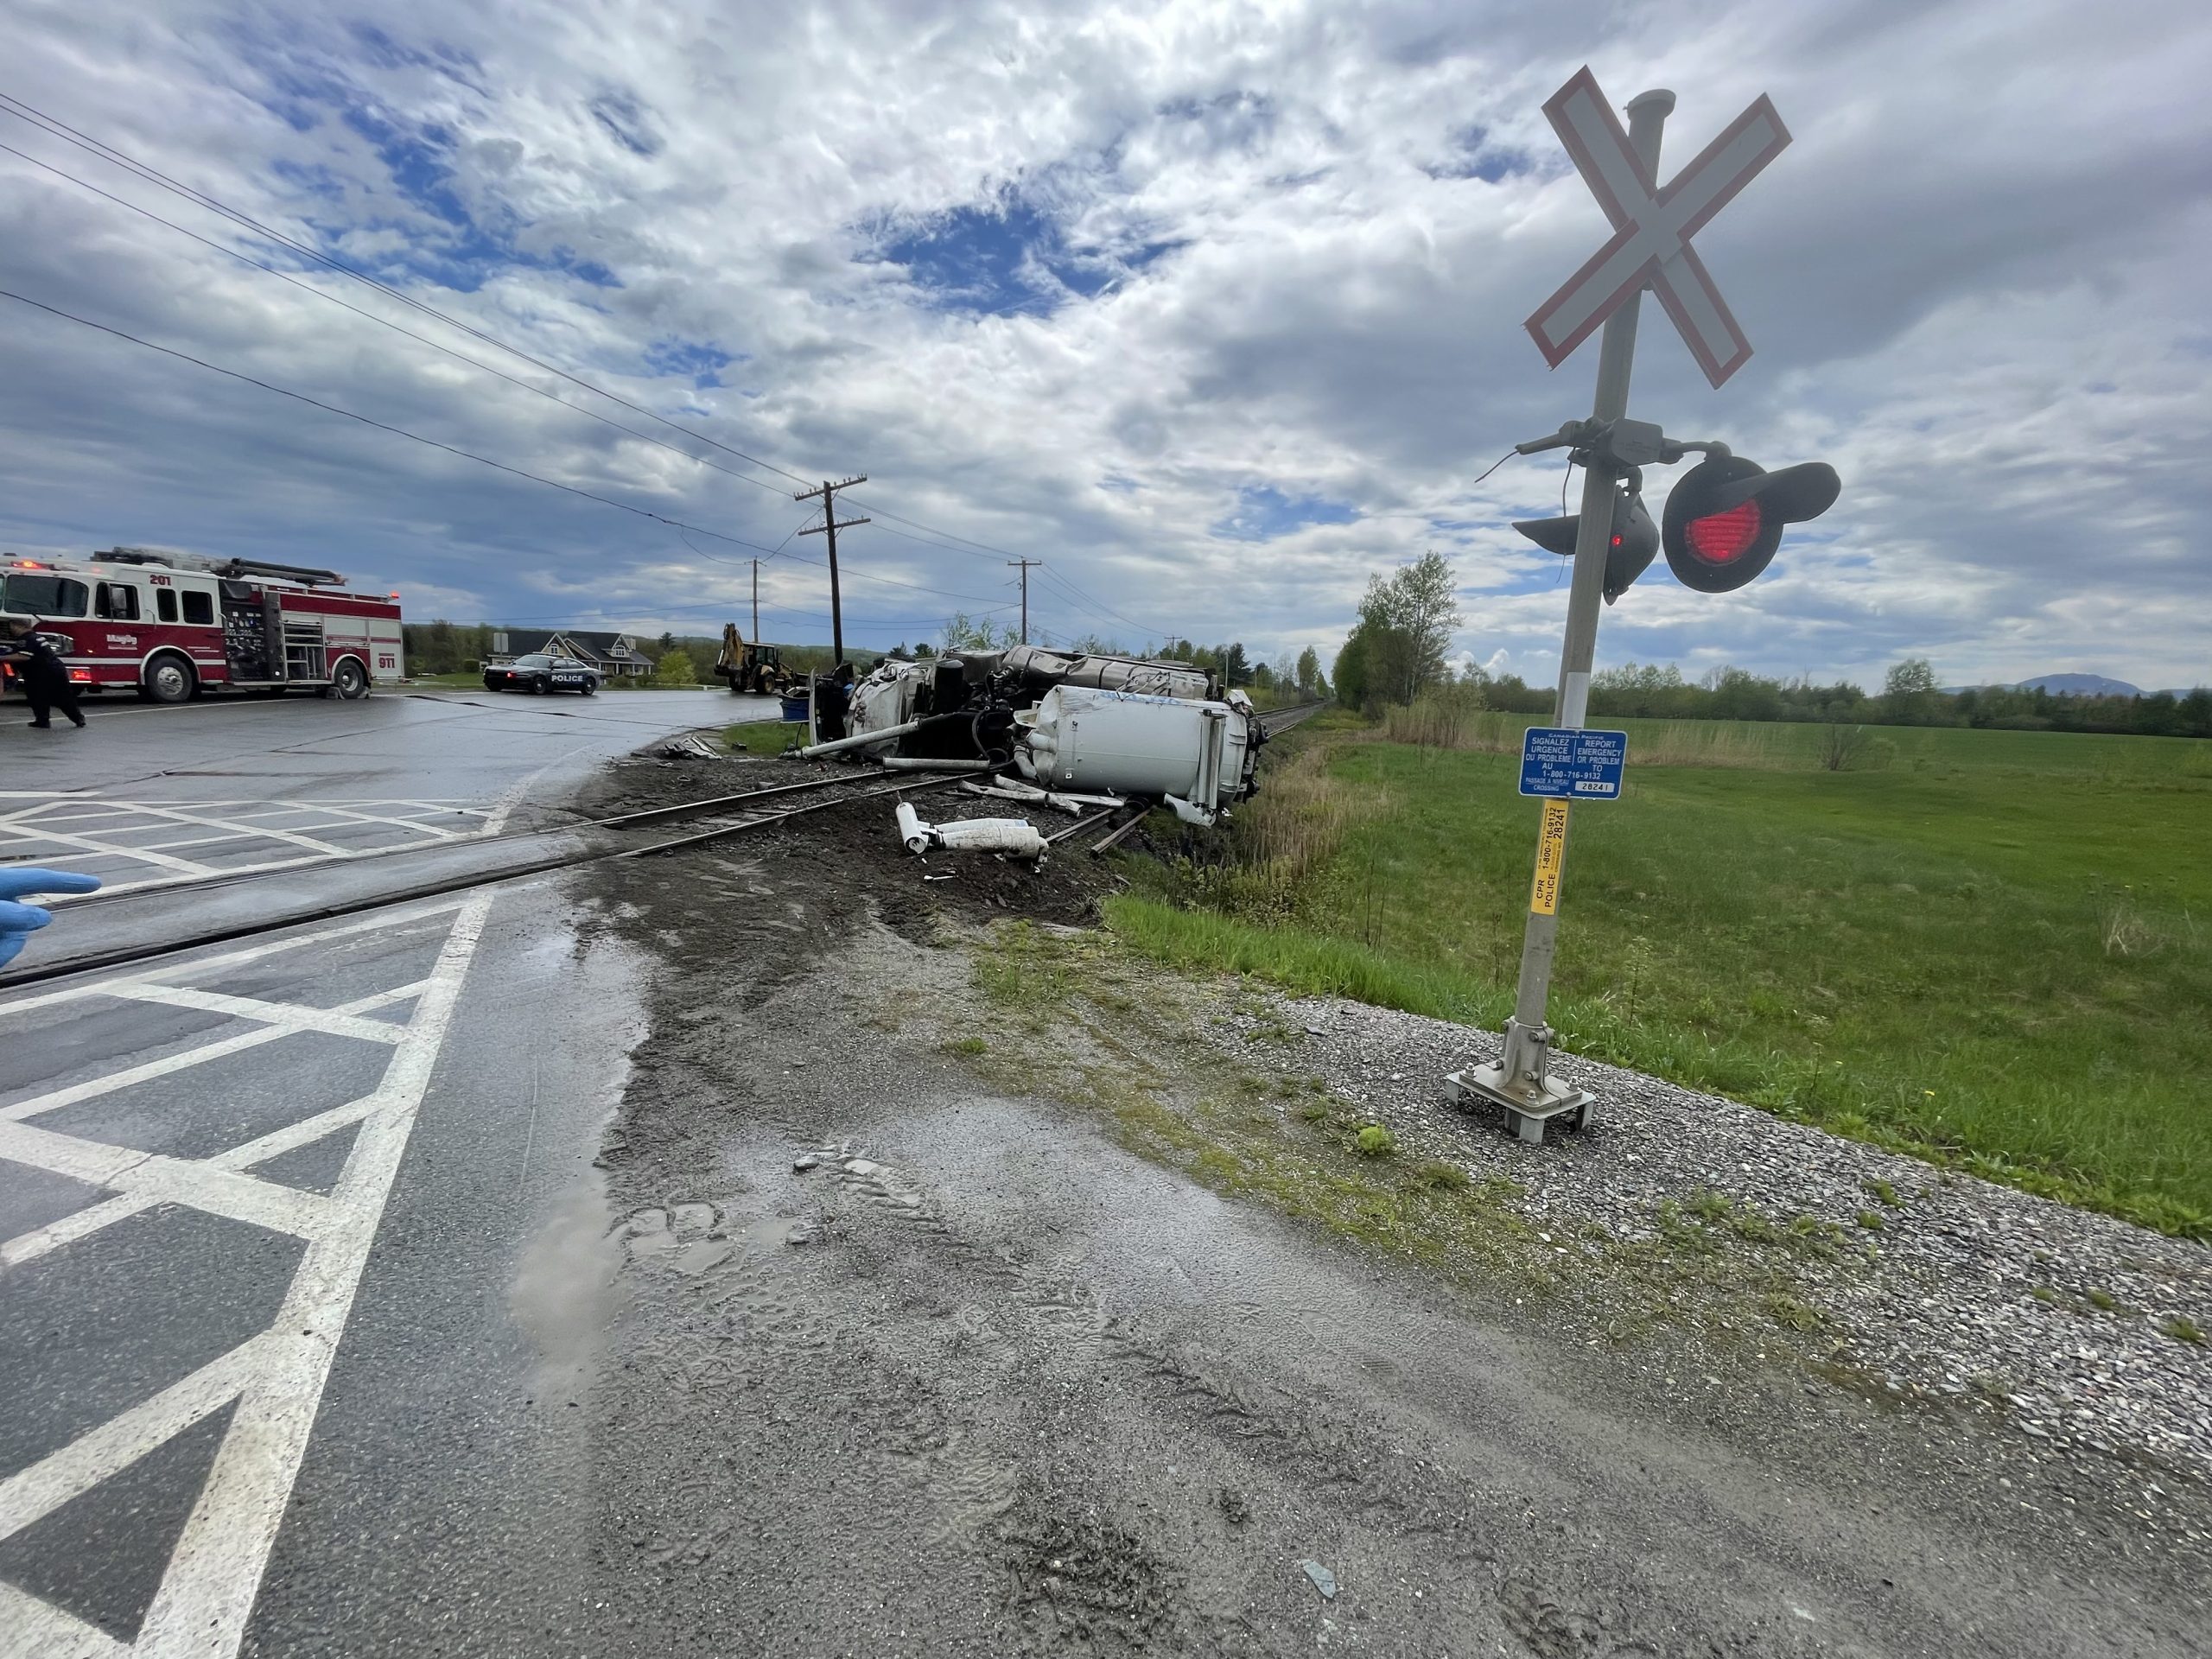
1527,1112
1522,1083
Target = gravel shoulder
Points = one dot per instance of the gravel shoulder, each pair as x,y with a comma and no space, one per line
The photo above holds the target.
984,1289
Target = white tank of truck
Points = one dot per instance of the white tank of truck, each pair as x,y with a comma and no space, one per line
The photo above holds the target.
1082,738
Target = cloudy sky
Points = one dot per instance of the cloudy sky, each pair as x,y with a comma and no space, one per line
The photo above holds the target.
1214,308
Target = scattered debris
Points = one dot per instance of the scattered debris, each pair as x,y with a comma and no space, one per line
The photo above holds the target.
1008,789
690,745
1323,1580
1015,837
803,1162
1234,1509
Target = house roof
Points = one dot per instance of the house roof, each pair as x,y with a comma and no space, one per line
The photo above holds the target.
597,646
612,645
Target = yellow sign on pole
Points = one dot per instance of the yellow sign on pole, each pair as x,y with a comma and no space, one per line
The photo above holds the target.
1551,858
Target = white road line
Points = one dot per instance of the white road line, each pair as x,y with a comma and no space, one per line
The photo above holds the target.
231,959
200,1610
170,1180
330,810
82,1224
322,849
36,1627
146,1071
289,1016
30,1495
84,843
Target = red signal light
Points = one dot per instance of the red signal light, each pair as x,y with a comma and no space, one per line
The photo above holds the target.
1724,538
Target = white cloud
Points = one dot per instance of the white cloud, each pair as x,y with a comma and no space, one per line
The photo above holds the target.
1985,309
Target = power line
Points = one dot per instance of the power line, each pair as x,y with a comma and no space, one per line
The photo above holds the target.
381,426
436,346
30,113
852,575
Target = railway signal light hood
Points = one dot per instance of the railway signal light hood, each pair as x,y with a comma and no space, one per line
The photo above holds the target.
1635,539
1723,519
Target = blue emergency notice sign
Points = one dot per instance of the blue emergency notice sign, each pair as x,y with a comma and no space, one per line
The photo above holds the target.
1566,763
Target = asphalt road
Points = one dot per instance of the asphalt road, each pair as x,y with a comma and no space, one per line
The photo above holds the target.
428,745
199,1157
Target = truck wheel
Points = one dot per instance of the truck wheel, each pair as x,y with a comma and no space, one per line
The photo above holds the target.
169,679
347,679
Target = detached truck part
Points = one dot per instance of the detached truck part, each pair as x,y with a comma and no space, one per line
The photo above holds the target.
1200,752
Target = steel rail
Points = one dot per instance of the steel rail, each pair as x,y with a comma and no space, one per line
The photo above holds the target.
415,893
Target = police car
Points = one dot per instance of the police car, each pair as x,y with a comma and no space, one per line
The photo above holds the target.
541,673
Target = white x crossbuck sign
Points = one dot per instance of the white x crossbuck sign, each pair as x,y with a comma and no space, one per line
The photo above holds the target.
1652,227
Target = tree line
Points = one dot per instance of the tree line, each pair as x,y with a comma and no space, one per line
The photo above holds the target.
1398,652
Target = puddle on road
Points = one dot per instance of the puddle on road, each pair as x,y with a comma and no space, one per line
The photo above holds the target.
567,1290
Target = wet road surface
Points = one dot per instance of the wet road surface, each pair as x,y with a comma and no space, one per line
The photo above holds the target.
199,1157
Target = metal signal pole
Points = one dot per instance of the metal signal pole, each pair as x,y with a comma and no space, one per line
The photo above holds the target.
756,601
829,526
1026,565
1520,1080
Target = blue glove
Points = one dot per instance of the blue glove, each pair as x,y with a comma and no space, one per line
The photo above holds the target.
18,922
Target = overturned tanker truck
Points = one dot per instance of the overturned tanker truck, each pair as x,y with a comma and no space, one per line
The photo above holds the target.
1109,725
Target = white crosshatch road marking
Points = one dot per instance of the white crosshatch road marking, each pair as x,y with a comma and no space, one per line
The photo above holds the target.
133,844
275,1378
1652,227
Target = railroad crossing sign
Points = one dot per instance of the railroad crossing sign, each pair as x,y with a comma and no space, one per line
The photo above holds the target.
1652,227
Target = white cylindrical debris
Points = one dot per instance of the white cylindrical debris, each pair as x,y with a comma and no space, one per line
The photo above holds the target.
1015,837
912,829
837,746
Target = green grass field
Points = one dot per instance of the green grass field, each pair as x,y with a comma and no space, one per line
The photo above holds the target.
1991,951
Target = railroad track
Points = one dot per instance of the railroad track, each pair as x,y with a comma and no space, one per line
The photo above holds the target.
509,856
1276,722
606,839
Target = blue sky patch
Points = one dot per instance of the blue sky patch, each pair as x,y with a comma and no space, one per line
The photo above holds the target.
699,359
1008,257
1474,156
1263,512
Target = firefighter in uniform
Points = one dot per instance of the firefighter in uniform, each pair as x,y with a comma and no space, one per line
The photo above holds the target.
46,681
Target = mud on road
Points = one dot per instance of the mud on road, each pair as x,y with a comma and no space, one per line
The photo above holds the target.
907,1351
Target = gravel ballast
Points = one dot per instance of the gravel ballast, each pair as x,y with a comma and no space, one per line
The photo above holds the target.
2059,1318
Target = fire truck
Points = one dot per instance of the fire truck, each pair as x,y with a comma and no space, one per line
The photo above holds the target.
169,626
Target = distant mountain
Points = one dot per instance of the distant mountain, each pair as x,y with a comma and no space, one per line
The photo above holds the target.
2080,685
2062,685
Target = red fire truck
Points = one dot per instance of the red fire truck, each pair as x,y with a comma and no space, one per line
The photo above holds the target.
170,625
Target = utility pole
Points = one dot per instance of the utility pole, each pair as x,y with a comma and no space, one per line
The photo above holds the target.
756,601
1520,1079
1027,566
829,526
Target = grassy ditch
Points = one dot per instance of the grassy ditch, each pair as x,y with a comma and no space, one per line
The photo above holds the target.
764,738
1995,951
